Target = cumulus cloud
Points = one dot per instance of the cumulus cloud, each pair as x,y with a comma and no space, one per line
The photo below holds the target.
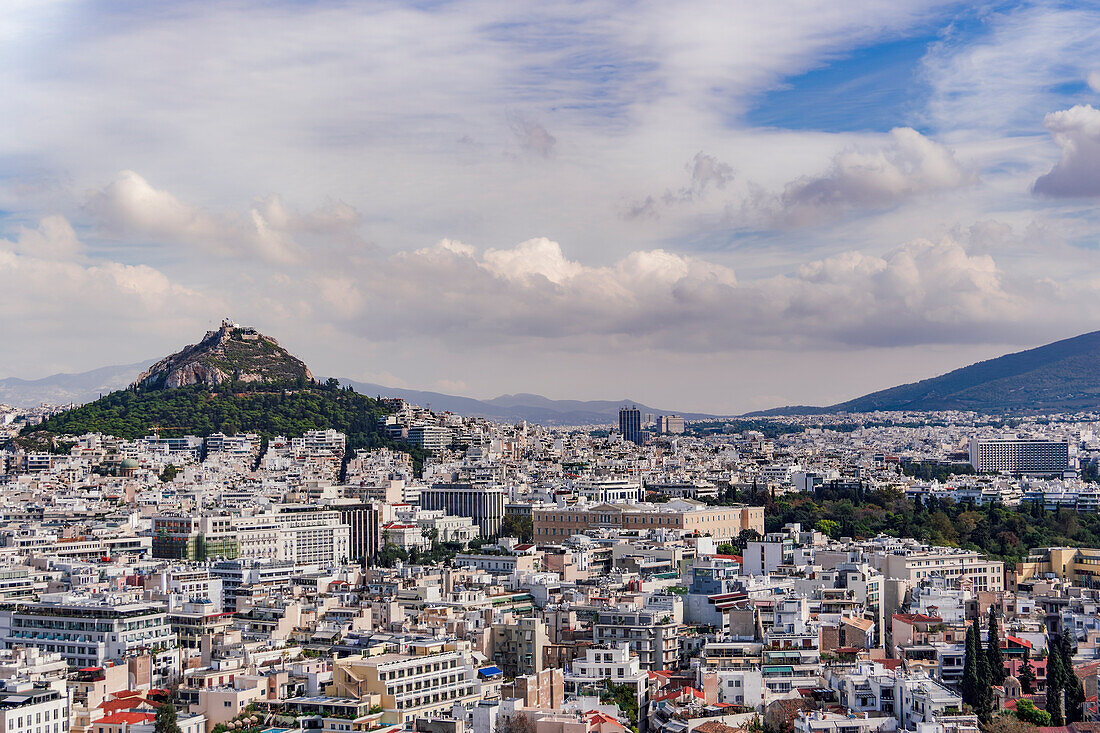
54,238
130,207
54,288
1077,132
923,292
903,165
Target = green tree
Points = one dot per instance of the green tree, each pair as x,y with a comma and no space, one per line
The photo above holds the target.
1027,674
165,721
969,685
993,650
520,527
983,693
1071,683
828,527
1054,683
1027,712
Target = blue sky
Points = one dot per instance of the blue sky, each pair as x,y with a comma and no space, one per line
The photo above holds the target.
748,204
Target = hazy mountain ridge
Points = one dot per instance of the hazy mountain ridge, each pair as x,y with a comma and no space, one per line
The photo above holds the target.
63,388
508,408
1063,375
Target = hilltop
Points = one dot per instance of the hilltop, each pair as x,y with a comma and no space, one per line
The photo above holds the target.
234,380
232,354
1061,376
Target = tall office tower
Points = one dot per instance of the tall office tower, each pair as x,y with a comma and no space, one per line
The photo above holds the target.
365,521
630,424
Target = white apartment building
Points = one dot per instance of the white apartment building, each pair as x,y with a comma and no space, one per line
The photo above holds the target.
312,537
90,630
1018,455
651,634
26,707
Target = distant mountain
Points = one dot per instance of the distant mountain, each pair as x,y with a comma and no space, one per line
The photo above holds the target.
61,389
512,408
230,354
1062,376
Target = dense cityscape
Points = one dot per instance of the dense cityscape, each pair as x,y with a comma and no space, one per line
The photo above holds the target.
674,366
828,573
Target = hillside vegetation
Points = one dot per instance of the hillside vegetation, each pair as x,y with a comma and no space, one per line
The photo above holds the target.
1061,376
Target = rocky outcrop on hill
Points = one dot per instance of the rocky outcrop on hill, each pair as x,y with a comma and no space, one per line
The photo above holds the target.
230,354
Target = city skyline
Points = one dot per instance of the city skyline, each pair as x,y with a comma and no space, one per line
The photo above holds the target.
750,207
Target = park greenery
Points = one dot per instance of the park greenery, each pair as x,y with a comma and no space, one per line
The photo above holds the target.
853,511
265,409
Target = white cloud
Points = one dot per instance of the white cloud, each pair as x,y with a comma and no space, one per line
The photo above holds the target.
130,207
1076,131
535,257
1093,80
53,239
903,165
68,303
920,293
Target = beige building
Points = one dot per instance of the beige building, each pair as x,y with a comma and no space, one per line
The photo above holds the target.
1078,565
408,686
554,525
951,564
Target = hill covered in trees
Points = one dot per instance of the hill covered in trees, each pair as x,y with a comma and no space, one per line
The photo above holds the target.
1064,375
198,410
234,380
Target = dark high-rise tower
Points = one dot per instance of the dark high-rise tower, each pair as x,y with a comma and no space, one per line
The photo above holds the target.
630,424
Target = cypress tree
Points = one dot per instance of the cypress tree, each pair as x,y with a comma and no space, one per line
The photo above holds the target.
1027,674
1071,683
983,693
1054,683
993,651
165,721
970,668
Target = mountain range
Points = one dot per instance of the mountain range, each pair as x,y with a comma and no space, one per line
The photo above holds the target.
1060,376
62,389
514,407
1064,375
201,364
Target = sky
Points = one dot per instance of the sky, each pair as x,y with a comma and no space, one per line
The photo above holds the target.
706,206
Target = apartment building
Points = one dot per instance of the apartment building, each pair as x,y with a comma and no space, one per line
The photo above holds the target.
26,707
409,685
518,648
1019,456
91,630
651,634
312,537
951,564
554,524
